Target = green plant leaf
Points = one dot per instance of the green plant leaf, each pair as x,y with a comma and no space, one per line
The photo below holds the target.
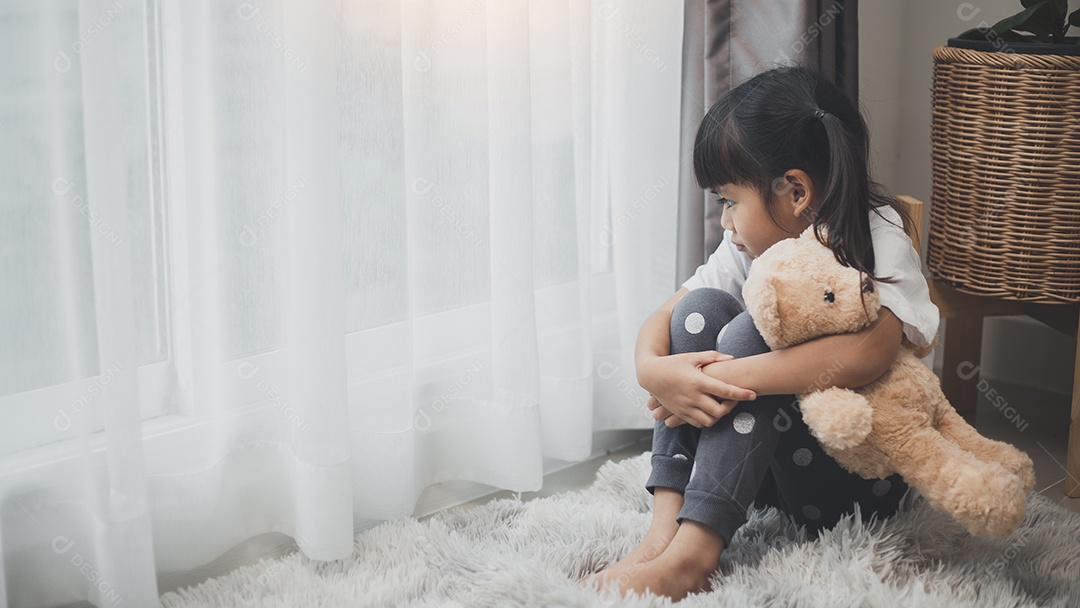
1061,5
1009,23
1045,21
1052,18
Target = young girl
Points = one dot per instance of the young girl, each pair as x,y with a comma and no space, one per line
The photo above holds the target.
783,151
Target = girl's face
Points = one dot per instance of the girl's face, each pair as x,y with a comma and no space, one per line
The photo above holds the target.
753,229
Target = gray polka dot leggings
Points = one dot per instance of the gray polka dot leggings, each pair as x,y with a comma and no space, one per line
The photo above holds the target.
761,452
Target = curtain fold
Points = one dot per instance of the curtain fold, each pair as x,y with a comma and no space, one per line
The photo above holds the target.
284,268
312,291
636,101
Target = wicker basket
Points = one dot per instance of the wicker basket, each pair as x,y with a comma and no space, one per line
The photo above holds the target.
1005,205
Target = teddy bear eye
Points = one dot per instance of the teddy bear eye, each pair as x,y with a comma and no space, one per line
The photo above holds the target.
829,297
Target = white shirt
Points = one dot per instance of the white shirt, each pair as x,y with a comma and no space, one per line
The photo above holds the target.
908,297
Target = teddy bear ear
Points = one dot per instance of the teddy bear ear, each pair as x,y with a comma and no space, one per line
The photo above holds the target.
759,293
808,233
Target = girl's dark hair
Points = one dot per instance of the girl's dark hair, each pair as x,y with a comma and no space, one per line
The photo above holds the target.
773,123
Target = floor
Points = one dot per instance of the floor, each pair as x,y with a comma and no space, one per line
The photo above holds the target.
1040,427
1033,420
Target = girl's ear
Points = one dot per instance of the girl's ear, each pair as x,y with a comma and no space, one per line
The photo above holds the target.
801,191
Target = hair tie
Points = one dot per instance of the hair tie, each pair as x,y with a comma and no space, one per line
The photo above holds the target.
819,113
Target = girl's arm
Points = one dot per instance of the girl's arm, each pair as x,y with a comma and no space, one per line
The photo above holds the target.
845,360
677,381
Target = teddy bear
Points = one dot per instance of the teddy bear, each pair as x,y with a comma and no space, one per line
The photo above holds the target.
900,423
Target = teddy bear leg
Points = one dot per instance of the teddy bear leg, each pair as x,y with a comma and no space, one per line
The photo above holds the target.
953,426
979,494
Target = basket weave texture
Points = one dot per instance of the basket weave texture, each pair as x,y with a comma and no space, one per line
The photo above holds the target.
1005,204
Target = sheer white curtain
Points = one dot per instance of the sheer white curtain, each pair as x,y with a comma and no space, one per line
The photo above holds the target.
281,266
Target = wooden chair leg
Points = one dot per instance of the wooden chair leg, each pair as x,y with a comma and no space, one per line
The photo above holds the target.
960,370
1072,457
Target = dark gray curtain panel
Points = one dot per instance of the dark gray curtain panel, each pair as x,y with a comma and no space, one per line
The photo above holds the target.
725,42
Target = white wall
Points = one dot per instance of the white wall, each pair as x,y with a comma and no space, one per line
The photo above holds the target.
896,41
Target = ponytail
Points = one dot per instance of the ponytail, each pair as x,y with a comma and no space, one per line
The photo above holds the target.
847,185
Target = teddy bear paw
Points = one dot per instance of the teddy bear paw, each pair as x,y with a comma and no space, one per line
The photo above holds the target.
1020,465
998,508
839,418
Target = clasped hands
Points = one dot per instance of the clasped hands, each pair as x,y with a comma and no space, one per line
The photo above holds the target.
681,392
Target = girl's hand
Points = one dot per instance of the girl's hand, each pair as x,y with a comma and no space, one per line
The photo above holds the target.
659,412
678,385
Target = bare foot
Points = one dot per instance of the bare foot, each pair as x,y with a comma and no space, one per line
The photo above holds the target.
664,525
651,546
683,568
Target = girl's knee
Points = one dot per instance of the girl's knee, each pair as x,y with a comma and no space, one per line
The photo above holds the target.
708,299
741,338
698,318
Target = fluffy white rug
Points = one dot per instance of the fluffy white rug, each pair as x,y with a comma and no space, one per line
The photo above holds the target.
509,553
